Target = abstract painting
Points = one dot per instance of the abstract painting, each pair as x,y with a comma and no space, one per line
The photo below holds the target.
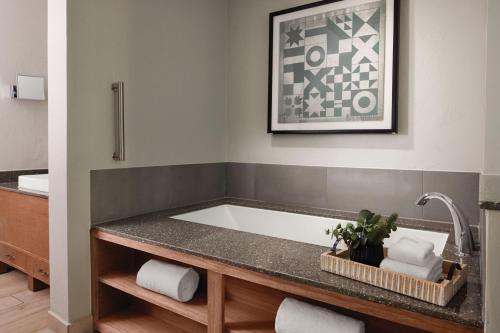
333,68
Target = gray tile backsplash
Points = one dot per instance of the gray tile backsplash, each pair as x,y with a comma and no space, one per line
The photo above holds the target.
384,191
127,192
462,187
241,180
197,183
352,189
120,193
296,185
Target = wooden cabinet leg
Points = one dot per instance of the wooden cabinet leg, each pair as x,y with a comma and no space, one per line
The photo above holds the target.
35,285
216,298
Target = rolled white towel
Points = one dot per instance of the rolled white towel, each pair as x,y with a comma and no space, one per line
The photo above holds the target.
431,272
299,317
177,282
411,251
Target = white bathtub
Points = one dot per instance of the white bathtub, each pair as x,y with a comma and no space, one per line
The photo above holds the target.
296,227
34,183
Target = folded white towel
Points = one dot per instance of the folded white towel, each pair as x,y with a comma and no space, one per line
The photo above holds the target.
431,272
299,317
412,251
177,282
437,276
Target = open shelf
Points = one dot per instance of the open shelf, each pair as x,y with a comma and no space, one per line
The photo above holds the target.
132,321
243,318
250,308
196,309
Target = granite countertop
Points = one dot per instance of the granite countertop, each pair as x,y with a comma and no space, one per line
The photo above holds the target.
13,187
294,261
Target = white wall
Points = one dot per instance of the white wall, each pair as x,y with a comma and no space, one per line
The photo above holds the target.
172,57
441,93
57,137
492,153
23,50
490,187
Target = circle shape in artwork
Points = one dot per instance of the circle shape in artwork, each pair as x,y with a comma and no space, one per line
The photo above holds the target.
364,102
315,56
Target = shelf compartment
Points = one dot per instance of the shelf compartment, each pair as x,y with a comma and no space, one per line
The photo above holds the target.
196,309
133,320
250,308
243,318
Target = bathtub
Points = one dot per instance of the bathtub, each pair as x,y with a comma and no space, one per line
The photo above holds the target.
292,226
34,183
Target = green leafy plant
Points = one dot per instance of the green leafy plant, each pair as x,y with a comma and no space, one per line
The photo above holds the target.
370,230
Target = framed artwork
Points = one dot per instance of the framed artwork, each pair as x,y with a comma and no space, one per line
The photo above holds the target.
333,67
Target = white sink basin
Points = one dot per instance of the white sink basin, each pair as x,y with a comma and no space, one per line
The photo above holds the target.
291,226
34,183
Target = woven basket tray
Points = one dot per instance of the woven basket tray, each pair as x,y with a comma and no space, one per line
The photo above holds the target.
439,293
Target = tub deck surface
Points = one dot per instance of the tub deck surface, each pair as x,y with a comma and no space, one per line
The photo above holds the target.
290,260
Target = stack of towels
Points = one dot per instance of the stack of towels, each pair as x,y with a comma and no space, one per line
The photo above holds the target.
415,258
177,282
298,317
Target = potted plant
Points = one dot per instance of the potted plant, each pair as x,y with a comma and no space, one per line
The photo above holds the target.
365,238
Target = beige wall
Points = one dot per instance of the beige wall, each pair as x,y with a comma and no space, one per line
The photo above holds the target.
23,50
441,93
490,183
492,152
172,57
196,91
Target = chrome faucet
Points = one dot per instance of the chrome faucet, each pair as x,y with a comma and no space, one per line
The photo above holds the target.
463,234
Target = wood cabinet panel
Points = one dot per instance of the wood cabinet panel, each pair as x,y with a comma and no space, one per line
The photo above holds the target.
4,210
27,226
13,257
39,269
24,236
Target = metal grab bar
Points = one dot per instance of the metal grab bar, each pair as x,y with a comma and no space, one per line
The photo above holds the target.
119,92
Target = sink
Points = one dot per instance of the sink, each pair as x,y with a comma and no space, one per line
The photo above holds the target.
34,183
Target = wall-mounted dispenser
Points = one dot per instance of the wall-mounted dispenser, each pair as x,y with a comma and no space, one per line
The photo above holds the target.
29,87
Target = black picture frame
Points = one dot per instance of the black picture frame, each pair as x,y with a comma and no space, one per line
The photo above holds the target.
395,75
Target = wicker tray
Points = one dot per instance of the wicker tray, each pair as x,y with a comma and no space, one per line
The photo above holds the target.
439,293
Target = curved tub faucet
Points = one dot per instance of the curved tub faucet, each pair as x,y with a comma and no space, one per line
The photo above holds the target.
463,234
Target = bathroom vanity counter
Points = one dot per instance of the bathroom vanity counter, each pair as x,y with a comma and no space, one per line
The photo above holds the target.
293,261
14,187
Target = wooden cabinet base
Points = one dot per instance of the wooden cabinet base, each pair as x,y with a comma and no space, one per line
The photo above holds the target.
36,285
230,299
33,283
35,268
4,268
24,237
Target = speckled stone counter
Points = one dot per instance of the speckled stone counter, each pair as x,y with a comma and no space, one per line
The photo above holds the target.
13,187
291,260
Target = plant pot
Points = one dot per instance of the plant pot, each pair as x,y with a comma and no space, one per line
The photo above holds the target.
369,255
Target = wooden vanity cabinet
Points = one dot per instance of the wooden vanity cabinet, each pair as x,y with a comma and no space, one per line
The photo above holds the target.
231,299
4,209
24,237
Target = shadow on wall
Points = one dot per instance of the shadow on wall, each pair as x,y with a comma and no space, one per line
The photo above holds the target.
404,140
